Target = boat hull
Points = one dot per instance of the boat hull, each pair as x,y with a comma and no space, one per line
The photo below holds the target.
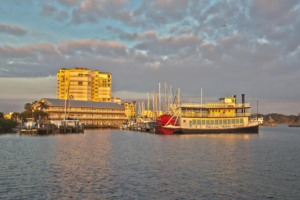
249,129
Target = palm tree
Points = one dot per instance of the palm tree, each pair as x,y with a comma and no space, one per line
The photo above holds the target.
28,107
42,106
15,115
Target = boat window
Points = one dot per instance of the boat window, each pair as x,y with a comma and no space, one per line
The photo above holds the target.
194,122
224,121
207,122
216,122
229,121
184,121
241,120
203,122
220,122
212,122
233,121
198,122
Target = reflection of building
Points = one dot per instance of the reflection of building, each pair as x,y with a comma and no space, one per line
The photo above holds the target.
84,84
130,109
89,112
116,100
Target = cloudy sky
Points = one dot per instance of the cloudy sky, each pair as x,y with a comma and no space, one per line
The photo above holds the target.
226,47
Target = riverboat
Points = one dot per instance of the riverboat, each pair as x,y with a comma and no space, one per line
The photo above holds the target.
226,116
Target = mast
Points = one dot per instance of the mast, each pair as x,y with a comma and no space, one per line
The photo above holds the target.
201,96
170,100
159,100
142,108
257,112
179,97
148,96
165,108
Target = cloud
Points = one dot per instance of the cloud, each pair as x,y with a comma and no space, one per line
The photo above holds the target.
12,29
149,35
93,47
168,45
69,2
48,10
51,11
61,16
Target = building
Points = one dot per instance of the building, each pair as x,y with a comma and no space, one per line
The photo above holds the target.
8,116
130,110
84,85
89,112
116,100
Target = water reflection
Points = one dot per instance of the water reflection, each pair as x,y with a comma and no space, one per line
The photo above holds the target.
111,164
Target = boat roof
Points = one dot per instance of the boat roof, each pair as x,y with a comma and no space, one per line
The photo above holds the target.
91,104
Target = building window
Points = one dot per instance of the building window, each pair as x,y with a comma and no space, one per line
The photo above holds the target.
79,83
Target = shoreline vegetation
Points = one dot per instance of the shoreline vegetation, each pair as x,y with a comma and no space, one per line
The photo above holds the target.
275,118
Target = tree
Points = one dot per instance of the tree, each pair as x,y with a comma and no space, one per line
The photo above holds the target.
28,107
38,113
7,125
34,102
1,115
24,115
42,106
15,116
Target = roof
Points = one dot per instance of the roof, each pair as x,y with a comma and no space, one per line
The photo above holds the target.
92,104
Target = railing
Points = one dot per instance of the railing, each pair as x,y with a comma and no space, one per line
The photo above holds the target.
212,105
86,117
219,115
86,111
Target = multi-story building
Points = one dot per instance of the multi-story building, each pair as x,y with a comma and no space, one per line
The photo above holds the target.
116,100
130,109
83,84
88,112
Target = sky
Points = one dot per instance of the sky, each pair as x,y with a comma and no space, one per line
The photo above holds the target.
226,47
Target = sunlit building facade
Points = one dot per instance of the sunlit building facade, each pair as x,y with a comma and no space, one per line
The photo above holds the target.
88,112
84,85
130,109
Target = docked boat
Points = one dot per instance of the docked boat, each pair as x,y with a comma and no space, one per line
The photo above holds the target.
226,116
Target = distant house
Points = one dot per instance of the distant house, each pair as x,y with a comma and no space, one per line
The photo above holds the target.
259,120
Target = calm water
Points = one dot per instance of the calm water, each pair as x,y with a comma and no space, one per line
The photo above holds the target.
112,164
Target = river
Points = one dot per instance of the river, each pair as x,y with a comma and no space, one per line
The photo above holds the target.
118,164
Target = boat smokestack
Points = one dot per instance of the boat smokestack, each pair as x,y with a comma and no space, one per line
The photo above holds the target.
243,99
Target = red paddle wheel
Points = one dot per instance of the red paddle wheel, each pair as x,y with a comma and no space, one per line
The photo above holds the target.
161,121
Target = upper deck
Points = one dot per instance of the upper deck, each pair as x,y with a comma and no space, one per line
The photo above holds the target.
214,105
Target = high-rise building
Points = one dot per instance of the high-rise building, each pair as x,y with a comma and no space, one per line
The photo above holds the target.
83,84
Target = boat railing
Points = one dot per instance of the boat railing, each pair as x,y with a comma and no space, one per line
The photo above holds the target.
195,114
212,105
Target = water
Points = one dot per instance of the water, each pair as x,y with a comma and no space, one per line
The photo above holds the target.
112,164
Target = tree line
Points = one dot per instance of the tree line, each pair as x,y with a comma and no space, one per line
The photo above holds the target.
29,112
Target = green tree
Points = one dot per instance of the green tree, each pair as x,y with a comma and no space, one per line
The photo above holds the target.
42,106
7,124
38,113
28,107
24,115
1,115
15,116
